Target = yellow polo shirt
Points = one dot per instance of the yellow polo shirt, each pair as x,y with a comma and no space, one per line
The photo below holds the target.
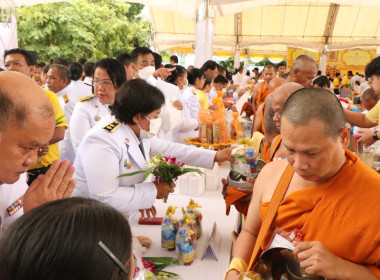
53,153
203,100
374,114
336,83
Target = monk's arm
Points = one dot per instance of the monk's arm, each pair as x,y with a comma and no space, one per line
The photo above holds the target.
257,120
245,243
358,119
256,88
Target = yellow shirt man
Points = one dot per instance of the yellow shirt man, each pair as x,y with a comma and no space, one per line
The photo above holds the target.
60,120
374,114
336,83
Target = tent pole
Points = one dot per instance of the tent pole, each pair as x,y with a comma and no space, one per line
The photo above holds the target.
204,33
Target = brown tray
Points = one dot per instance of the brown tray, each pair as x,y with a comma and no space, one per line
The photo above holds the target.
219,146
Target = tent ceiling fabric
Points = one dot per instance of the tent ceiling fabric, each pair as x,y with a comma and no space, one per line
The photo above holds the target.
297,24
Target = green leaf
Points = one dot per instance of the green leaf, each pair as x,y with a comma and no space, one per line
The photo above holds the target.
131,174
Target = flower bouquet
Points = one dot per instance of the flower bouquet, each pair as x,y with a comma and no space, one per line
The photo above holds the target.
164,169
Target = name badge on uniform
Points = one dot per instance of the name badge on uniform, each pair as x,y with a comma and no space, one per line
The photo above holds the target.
127,164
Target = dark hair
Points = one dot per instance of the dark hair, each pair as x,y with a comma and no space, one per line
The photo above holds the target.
337,74
59,240
174,58
115,70
157,60
134,97
124,58
76,71
26,54
88,69
221,69
278,65
63,71
373,68
220,80
60,60
208,80
321,81
38,65
82,61
209,64
46,68
257,69
308,104
139,51
194,74
178,72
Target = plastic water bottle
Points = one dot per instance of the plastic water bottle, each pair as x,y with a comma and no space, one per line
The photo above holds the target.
185,248
251,159
167,235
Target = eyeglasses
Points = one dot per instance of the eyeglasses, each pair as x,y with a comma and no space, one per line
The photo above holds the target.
102,83
113,257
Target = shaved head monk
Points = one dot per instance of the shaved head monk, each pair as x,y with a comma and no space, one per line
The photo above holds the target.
303,71
330,196
27,122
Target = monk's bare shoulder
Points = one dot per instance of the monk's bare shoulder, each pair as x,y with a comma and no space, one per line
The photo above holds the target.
269,177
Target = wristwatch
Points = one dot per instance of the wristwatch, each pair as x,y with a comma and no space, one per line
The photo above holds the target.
374,135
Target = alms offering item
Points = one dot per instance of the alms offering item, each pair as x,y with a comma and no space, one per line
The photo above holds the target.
164,169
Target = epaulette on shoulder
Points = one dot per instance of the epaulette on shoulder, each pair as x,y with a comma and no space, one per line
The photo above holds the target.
65,98
111,127
86,98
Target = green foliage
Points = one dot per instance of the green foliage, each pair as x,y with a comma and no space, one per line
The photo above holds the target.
82,28
229,64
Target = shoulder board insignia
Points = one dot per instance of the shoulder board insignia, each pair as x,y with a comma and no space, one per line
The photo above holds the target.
86,98
194,92
65,98
111,127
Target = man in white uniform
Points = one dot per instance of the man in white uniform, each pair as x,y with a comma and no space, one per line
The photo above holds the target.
26,123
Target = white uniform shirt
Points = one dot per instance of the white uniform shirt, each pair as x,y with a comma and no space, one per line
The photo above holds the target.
190,96
9,193
79,89
86,115
212,94
65,146
171,93
62,94
103,156
88,82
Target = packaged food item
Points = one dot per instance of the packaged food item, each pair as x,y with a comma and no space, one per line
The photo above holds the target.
219,125
185,247
236,128
204,123
192,209
167,235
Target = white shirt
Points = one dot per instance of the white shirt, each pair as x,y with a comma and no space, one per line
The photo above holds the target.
86,114
64,95
171,93
190,96
88,82
103,156
212,94
9,193
79,89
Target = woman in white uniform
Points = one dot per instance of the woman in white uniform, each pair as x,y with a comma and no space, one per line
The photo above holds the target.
190,95
123,143
109,75
187,129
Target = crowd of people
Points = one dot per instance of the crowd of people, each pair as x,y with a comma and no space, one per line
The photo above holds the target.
69,129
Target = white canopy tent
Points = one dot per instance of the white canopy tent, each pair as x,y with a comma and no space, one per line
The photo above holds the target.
267,26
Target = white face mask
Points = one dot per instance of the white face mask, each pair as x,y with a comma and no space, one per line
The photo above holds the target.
146,72
185,84
154,128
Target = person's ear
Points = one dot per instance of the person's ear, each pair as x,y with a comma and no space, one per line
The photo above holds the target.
345,136
137,118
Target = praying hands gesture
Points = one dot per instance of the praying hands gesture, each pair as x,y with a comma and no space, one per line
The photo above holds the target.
57,183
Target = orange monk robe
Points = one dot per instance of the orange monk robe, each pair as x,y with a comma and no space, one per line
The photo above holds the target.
262,93
274,147
343,214
266,152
